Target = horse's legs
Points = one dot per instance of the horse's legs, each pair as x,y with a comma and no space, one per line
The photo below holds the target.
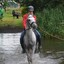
34,48
29,55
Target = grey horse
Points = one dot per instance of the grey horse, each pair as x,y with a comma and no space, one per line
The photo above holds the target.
30,38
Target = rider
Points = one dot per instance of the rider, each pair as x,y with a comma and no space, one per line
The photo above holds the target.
38,36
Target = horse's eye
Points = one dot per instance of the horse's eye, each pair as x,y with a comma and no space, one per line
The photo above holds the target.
28,19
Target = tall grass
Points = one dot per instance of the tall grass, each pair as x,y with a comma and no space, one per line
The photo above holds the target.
51,19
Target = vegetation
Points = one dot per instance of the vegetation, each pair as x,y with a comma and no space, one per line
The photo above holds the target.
50,15
51,20
41,4
9,21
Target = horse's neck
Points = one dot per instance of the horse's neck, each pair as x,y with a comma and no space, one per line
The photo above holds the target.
30,35
29,31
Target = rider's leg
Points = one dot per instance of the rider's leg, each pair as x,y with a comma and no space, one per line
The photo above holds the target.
38,36
22,41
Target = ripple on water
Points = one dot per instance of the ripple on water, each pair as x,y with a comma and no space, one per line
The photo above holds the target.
10,46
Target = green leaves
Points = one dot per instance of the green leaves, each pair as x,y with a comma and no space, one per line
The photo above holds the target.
41,4
51,19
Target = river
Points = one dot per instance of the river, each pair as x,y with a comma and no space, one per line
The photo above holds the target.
52,51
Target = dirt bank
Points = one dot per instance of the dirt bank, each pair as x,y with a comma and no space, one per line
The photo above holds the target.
10,29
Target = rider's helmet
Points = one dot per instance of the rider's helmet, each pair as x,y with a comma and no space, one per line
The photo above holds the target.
30,8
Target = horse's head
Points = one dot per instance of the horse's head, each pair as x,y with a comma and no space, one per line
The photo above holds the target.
31,22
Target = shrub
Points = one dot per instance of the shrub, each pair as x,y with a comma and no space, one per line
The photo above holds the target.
24,10
50,20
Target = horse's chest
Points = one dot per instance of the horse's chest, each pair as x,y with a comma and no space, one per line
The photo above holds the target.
30,38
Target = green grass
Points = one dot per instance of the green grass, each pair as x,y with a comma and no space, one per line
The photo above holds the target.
8,20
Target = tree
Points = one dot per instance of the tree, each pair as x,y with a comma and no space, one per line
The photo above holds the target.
40,4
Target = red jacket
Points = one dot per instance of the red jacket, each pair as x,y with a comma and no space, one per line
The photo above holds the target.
25,19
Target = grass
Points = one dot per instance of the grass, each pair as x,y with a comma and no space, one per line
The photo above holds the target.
8,19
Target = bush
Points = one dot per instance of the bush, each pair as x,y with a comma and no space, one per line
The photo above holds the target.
24,10
50,20
41,4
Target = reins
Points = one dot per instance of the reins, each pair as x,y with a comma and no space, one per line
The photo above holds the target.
30,26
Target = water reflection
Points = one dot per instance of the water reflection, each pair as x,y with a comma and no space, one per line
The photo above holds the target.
10,51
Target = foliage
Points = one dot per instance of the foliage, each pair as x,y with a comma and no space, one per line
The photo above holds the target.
24,10
51,20
5,4
20,2
40,4
17,0
50,14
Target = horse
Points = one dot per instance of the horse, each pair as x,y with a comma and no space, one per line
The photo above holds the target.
15,14
30,38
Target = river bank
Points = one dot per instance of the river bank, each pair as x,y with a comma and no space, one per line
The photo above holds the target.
10,30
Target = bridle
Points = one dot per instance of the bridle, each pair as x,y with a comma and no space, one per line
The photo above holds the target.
30,25
30,22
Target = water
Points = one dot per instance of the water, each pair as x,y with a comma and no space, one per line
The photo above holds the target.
11,52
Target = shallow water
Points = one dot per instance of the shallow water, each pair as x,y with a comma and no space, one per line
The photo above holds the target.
11,52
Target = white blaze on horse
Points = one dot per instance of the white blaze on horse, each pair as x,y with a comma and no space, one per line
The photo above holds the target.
30,38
